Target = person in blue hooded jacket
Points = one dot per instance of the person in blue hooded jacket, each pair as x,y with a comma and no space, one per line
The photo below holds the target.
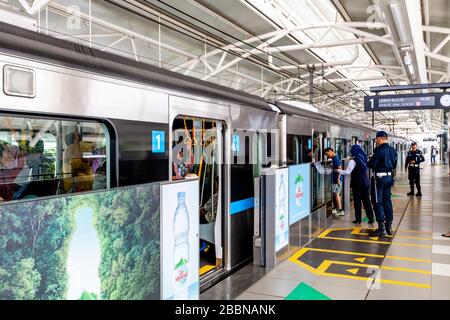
359,171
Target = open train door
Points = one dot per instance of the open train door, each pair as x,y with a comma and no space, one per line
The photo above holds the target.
198,134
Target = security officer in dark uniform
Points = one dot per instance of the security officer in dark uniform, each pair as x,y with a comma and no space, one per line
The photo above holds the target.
412,163
383,163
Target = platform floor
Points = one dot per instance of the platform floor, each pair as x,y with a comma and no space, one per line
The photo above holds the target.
345,263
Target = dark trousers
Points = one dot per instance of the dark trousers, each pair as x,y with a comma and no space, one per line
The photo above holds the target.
414,177
361,195
381,199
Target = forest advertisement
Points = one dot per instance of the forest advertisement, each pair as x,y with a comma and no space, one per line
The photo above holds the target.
299,196
180,240
97,246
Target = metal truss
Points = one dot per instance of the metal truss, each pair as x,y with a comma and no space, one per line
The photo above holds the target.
254,64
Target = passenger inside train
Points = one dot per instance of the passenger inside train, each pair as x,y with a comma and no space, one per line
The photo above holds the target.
196,145
35,159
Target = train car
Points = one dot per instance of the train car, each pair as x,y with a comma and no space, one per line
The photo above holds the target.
74,119
92,120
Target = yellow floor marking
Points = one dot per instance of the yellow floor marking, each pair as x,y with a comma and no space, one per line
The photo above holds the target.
365,254
411,245
408,259
406,270
325,233
357,230
400,237
379,242
356,240
301,252
415,231
321,271
353,271
206,268
377,267
401,283
417,215
408,284
345,252
413,238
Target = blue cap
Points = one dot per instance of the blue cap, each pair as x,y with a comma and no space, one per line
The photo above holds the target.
382,134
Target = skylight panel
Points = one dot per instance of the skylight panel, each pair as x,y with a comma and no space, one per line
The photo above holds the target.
304,13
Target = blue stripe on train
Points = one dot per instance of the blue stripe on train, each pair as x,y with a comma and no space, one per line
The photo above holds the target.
242,205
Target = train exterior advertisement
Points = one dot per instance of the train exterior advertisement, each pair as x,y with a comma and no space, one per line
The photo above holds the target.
281,209
95,246
180,240
299,192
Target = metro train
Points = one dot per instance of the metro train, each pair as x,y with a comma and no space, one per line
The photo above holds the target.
92,120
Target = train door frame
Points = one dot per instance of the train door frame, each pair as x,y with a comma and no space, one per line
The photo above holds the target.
189,107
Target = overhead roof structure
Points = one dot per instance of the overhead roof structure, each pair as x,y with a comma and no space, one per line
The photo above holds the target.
329,52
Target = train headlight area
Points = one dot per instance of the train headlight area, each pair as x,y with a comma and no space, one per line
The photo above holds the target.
120,179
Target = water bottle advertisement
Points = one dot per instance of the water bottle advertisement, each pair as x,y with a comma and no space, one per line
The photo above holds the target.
299,196
180,240
281,215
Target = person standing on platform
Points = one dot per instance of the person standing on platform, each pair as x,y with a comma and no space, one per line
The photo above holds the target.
412,163
434,153
383,163
359,171
337,181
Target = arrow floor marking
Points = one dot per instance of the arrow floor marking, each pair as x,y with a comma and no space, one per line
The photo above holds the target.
353,271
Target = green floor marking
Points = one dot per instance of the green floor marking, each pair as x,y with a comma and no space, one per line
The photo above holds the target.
305,292
396,196
365,219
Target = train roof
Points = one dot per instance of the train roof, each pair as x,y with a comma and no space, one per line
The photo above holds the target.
15,40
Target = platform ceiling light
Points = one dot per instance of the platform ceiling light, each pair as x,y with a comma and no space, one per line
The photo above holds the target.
274,108
407,59
400,23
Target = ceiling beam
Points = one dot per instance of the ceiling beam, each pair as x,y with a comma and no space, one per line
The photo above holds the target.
414,11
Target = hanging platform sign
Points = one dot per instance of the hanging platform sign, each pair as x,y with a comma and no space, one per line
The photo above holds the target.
398,102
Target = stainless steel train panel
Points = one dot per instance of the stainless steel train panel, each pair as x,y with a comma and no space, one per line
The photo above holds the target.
64,91
246,118
299,126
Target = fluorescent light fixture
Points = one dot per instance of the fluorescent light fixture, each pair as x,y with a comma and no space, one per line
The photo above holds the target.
274,108
411,69
301,105
407,59
399,22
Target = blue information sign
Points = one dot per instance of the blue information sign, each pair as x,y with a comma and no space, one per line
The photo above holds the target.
299,192
158,141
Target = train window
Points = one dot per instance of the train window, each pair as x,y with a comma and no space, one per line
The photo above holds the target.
43,157
307,149
317,151
340,148
365,146
293,149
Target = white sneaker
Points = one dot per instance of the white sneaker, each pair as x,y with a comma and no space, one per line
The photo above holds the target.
341,213
334,211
